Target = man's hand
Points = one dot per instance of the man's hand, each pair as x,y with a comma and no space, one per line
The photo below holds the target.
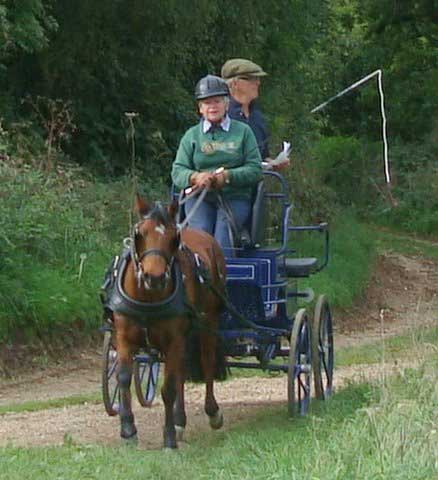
278,166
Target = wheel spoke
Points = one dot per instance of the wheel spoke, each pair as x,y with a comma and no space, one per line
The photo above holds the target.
112,370
116,391
302,384
325,366
143,371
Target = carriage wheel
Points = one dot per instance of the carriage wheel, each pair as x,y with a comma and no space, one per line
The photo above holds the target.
145,380
299,374
322,349
110,384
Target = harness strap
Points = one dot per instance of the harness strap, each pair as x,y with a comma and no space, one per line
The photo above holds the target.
157,252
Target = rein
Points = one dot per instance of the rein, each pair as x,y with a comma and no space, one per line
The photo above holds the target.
188,193
183,197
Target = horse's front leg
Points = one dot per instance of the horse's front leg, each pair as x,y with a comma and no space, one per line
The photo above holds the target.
179,411
208,362
172,393
128,431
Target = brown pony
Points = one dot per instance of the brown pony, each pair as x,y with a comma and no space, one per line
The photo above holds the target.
158,250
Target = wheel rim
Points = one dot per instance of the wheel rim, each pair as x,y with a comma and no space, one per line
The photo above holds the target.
299,375
322,345
146,378
110,384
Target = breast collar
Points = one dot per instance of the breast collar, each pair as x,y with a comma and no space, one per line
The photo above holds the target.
145,313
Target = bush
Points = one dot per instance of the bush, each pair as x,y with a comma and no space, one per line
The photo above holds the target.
351,167
415,188
57,234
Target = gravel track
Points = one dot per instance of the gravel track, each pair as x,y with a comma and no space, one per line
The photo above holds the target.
402,295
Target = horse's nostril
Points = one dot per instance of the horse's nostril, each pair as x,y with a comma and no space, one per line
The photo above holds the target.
156,281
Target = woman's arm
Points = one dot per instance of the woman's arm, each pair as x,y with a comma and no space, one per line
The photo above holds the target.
183,168
251,170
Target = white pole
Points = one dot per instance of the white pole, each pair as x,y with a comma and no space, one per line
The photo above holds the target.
382,112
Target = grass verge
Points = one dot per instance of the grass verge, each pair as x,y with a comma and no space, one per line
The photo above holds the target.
392,349
351,260
36,406
405,244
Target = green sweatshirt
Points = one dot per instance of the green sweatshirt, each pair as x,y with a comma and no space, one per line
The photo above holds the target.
235,150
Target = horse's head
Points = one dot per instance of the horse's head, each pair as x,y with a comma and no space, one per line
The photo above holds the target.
155,242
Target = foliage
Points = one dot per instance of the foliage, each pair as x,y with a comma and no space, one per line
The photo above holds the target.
107,59
24,27
401,39
57,234
416,189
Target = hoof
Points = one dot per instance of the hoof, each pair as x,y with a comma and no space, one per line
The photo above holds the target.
170,450
217,420
131,441
179,433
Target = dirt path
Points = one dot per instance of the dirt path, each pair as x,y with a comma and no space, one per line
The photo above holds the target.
402,295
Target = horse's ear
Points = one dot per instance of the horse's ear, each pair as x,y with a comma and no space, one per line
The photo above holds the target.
141,206
172,209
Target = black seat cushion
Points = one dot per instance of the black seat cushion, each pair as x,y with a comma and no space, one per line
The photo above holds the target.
300,267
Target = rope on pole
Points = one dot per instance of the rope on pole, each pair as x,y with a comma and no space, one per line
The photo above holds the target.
377,73
131,116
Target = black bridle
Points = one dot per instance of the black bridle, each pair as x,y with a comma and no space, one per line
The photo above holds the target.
137,258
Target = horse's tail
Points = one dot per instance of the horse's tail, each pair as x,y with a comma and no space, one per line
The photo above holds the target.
194,369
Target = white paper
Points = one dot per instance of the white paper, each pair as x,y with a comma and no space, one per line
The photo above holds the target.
283,155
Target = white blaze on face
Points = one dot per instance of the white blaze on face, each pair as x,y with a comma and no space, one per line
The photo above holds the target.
160,229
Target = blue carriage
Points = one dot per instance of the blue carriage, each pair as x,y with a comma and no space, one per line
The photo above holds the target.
262,326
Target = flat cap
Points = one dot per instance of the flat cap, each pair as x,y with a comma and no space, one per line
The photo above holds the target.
236,67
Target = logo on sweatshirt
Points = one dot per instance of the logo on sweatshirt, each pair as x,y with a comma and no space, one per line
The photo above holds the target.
208,148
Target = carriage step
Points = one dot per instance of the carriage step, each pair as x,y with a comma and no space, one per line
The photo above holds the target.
300,267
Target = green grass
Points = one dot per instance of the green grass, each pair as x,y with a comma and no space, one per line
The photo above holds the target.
392,349
363,432
351,260
36,406
405,244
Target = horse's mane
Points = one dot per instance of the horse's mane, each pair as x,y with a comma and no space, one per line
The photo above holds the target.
160,214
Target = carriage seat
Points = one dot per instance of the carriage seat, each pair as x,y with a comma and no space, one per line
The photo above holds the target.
300,267
253,233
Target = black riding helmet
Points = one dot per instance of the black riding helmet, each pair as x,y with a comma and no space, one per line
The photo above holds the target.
211,86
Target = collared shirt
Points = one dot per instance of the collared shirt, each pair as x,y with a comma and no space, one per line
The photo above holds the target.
225,124
255,120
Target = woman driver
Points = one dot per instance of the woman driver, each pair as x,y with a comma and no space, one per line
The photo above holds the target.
217,141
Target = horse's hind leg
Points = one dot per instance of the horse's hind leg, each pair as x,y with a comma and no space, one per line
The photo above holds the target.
128,431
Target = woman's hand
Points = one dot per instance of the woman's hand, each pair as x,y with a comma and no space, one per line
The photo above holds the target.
202,179
221,179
